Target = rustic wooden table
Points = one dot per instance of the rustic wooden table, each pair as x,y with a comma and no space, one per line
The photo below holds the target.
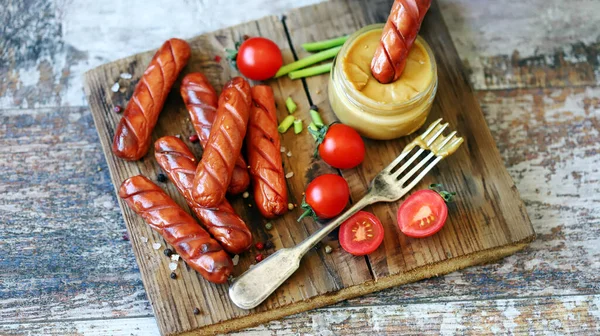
65,268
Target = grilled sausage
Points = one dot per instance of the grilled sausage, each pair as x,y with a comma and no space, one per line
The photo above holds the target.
264,157
179,163
399,33
133,133
177,227
200,98
214,171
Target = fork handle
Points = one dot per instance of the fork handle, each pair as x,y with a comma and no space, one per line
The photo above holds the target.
318,235
260,281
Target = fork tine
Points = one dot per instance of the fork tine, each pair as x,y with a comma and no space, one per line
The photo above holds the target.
430,128
395,162
408,163
416,168
423,173
448,138
436,135
400,157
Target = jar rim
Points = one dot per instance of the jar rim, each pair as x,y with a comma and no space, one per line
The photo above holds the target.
370,101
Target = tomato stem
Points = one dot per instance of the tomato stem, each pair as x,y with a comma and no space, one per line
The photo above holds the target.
447,196
319,136
308,210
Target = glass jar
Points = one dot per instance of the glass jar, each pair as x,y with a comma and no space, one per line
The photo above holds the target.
372,118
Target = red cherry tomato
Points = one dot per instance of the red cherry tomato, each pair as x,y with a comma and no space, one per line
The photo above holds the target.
342,147
361,234
259,58
422,214
326,196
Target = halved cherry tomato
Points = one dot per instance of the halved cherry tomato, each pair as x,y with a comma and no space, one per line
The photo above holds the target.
422,214
361,234
259,58
341,147
326,196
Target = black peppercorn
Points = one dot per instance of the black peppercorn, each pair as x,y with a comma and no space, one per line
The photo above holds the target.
173,275
161,177
168,252
269,244
196,311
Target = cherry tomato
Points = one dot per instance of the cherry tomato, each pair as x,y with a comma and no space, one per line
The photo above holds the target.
342,147
326,196
259,58
422,214
361,234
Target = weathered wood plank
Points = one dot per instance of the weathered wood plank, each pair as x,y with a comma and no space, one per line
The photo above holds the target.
561,315
52,43
481,220
526,44
562,261
173,303
60,230
564,254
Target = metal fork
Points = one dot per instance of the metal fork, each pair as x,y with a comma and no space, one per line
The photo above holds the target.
257,283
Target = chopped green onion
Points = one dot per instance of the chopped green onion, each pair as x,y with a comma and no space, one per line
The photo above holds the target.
312,71
297,126
310,60
291,106
316,117
326,44
314,128
285,124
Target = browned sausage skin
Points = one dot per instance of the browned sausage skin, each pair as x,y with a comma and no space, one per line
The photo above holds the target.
179,163
133,133
177,227
214,171
399,33
264,157
200,98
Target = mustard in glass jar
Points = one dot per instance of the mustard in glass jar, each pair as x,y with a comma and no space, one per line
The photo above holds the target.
375,110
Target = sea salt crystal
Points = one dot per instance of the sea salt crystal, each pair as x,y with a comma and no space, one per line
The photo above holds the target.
156,246
235,260
175,257
126,75
115,87
246,194
282,149
173,266
290,174
289,154
144,239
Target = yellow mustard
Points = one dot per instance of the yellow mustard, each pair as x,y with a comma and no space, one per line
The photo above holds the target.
375,110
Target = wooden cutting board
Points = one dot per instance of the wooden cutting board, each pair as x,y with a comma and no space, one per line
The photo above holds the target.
487,222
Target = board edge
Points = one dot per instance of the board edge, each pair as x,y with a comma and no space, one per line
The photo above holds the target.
416,274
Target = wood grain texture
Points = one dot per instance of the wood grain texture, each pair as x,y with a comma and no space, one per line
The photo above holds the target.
53,199
491,227
563,260
578,314
487,216
321,274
